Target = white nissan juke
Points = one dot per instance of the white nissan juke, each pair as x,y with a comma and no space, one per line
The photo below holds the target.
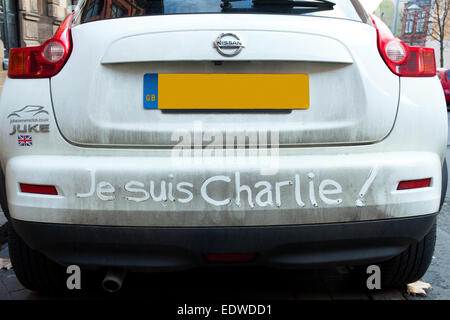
170,134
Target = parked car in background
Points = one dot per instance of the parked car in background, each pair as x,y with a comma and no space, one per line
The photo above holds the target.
444,76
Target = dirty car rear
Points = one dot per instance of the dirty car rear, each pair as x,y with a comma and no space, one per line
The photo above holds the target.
167,136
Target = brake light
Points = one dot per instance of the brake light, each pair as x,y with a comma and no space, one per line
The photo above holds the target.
44,61
403,60
229,257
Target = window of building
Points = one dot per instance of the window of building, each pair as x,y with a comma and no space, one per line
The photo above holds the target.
409,23
420,21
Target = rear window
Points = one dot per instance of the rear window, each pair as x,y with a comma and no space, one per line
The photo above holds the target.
94,10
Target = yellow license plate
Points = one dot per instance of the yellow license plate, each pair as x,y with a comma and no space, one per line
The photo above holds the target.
225,91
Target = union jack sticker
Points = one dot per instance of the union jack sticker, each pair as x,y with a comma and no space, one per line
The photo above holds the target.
25,141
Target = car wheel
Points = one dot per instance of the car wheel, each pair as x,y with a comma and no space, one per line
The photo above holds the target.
3,203
409,266
34,270
444,183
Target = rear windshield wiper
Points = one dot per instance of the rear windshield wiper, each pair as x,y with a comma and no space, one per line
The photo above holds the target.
314,4
325,4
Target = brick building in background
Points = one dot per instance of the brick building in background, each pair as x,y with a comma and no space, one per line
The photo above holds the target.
416,22
27,23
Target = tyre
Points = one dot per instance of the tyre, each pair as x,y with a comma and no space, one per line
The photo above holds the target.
3,203
34,270
444,183
409,266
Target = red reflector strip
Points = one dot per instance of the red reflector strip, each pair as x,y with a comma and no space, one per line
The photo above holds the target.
34,188
414,184
229,257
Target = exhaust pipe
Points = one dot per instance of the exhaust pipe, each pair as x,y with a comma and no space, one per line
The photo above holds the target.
113,279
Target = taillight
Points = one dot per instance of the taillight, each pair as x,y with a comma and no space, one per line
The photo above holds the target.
43,61
404,60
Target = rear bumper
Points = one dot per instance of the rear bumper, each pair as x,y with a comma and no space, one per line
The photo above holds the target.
310,189
151,248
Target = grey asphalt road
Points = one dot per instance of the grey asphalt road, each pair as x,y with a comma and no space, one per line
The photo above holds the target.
2,218
260,283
